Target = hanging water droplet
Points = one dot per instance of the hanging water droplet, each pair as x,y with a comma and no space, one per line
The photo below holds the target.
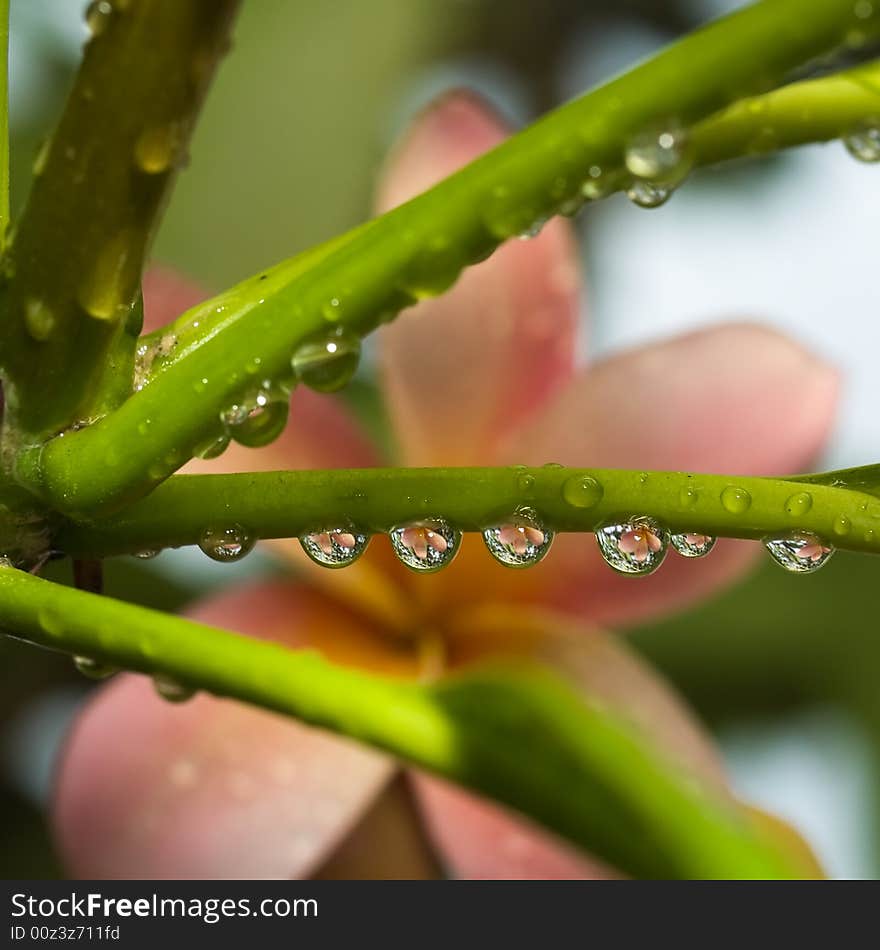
171,689
692,545
646,195
582,491
520,542
637,546
662,157
38,319
335,547
533,229
156,149
505,214
94,669
147,553
799,504
426,545
863,142
257,421
799,552
226,542
327,364
97,17
211,448
736,500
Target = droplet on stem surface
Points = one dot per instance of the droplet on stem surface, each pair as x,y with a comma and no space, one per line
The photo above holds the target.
736,500
38,319
799,552
522,541
660,156
335,547
798,504
327,364
97,17
94,669
636,546
582,491
226,543
690,544
426,546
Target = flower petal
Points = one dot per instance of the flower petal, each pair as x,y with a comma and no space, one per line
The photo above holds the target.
460,369
737,399
212,788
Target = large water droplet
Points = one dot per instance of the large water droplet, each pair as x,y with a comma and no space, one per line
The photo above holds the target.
335,547
659,156
226,542
637,546
426,545
156,149
106,288
98,14
520,542
94,669
863,142
171,689
329,363
39,319
257,420
799,552
692,545
647,195
736,500
582,491
798,504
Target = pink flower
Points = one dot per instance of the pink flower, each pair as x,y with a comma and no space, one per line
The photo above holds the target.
482,375
639,542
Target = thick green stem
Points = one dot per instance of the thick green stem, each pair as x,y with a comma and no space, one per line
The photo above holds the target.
418,249
74,267
289,504
586,775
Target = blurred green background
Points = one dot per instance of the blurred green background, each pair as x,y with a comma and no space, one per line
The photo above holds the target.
784,668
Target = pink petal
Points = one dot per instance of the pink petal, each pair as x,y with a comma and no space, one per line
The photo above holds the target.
734,399
461,369
212,788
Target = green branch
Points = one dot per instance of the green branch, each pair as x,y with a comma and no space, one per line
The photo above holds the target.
219,351
587,776
74,267
290,504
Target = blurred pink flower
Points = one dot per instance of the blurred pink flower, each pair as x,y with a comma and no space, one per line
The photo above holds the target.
482,375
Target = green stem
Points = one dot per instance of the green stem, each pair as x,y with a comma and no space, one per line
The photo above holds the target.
74,267
586,776
290,504
417,250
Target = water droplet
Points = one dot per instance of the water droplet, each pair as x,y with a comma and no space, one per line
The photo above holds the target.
39,319
526,484
637,546
863,142
736,500
687,497
596,185
335,547
662,157
692,545
226,542
506,215
799,552
5,561
157,148
646,195
520,542
864,9
108,286
211,448
533,230
841,525
98,14
327,364
147,553
171,689
582,491
433,268
258,420
332,309
799,504
94,669
426,545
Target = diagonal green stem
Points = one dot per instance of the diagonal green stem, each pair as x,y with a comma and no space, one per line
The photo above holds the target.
289,504
587,776
418,249
74,267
